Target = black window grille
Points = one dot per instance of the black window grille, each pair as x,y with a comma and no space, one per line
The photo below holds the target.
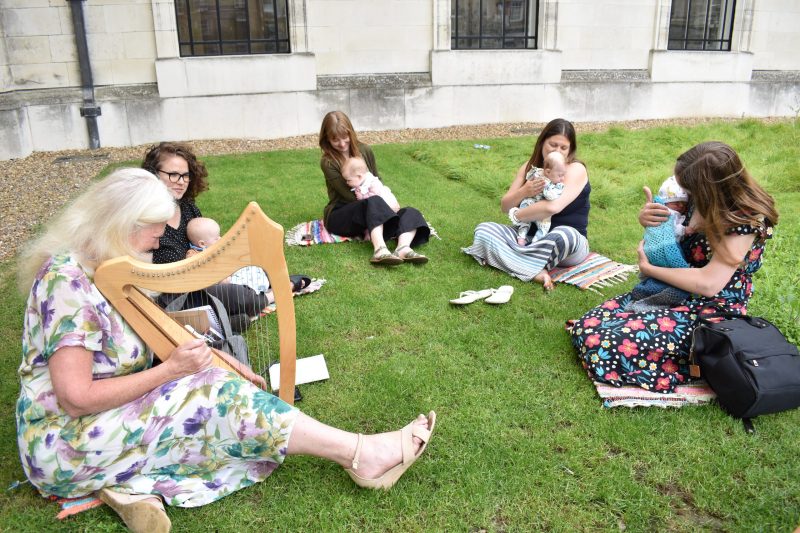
494,24
228,27
701,25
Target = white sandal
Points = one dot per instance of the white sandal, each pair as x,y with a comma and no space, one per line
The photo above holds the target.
467,297
501,295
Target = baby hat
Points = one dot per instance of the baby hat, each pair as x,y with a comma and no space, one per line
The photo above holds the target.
670,191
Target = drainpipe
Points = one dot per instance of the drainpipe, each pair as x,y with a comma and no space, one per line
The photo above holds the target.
89,110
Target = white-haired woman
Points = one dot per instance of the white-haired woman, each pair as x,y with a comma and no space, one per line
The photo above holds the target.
93,414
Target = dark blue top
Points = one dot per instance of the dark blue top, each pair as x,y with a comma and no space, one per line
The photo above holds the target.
576,214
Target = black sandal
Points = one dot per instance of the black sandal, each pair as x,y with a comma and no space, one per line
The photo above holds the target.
299,282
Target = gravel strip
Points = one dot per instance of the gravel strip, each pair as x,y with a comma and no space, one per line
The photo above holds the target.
34,188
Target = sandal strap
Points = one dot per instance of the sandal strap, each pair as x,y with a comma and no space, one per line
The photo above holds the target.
357,455
407,435
421,433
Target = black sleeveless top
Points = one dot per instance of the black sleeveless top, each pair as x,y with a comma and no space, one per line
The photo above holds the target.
576,214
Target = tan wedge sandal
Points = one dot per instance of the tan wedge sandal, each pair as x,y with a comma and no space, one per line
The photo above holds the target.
390,477
142,513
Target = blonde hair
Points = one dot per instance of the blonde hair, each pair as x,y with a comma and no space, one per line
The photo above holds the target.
350,162
554,158
336,124
98,224
200,229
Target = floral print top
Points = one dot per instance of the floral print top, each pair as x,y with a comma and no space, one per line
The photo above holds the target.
191,440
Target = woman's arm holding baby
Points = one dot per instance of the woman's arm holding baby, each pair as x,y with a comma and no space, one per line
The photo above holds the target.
574,182
520,188
708,280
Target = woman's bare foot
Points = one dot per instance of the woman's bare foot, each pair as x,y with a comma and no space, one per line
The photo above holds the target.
382,451
544,278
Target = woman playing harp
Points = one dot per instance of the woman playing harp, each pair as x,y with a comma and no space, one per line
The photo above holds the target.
94,414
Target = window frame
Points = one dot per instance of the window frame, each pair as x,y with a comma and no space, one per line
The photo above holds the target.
282,45
727,14
531,37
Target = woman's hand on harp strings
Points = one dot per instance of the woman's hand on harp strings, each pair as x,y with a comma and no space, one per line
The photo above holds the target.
244,370
189,358
253,378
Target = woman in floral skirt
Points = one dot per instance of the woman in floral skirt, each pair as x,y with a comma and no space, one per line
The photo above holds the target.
94,414
729,220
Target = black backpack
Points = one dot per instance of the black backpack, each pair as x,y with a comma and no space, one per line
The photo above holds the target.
748,363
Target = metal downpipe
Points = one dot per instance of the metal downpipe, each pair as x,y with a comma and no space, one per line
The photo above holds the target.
89,110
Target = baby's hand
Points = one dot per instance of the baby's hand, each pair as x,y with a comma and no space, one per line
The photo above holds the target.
190,252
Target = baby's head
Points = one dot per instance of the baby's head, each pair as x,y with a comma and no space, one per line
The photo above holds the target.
555,167
202,232
673,195
354,170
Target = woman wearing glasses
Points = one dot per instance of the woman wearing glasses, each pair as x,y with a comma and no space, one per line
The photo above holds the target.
178,168
185,177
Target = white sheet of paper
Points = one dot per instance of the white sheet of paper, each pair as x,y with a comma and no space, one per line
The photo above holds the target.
308,369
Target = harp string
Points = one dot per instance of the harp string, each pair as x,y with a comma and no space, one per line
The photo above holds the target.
243,307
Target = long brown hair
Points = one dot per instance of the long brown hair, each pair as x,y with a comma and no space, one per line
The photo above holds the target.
336,124
158,152
723,192
557,126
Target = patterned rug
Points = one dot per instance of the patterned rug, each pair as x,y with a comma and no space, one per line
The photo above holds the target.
71,506
695,393
314,232
595,271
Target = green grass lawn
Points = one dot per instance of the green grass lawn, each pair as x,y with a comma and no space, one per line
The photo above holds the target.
522,441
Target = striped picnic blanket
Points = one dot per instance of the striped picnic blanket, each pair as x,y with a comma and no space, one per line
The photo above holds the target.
595,270
314,232
695,393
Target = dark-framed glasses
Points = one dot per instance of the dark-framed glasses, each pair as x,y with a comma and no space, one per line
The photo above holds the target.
175,177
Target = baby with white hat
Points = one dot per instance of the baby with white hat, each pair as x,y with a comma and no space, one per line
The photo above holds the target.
661,245
676,199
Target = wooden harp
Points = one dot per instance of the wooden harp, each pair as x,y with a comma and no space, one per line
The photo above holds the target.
253,240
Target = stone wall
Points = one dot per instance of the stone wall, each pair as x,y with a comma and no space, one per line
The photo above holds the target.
387,63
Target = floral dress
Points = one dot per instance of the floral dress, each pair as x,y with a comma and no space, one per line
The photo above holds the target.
192,440
651,349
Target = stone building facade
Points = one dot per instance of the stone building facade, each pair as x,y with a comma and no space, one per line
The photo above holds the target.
389,64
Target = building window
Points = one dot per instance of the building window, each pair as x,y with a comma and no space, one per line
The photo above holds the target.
227,27
494,24
701,25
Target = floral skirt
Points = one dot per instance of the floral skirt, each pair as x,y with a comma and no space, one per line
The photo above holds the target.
650,349
192,441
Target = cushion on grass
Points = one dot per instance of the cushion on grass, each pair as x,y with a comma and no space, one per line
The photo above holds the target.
695,393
